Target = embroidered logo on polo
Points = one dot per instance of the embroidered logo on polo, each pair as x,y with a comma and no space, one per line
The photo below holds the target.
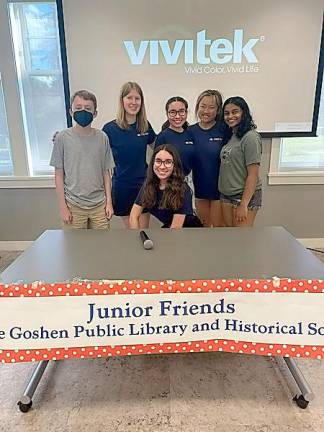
189,142
142,134
216,139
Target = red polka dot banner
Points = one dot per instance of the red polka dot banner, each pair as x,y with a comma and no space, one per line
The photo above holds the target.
88,319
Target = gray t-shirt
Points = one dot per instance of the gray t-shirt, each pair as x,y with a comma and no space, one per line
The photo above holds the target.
236,155
84,159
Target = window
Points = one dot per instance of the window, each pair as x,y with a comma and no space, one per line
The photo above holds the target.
299,160
302,153
37,57
34,53
6,166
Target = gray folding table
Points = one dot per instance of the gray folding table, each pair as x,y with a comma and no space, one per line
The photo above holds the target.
197,253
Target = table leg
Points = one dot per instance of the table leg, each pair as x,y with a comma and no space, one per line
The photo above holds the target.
25,401
306,392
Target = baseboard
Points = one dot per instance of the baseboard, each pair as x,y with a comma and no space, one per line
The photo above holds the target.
14,245
316,243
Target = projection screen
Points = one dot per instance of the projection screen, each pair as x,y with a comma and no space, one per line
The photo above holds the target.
267,52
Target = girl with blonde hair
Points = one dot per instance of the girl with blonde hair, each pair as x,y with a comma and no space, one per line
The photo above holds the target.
129,135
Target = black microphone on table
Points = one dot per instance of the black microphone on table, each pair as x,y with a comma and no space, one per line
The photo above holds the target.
147,242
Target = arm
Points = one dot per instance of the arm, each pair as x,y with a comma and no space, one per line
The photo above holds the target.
159,140
177,221
54,136
151,137
65,213
249,189
134,217
151,144
107,185
186,209
149,152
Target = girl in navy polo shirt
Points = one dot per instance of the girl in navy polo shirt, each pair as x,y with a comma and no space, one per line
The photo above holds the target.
165,194
175,132
129,135
208,138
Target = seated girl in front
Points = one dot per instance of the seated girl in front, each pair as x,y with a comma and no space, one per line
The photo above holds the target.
165,194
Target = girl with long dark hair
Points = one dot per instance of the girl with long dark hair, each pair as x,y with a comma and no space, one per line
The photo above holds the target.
165,194
239,180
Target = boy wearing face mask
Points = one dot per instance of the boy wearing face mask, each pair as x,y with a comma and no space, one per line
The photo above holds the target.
82,159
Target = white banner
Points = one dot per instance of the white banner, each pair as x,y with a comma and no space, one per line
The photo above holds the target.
97,320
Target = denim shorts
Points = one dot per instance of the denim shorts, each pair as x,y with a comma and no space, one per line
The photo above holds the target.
235,200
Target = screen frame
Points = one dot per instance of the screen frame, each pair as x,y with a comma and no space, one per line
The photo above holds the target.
264,134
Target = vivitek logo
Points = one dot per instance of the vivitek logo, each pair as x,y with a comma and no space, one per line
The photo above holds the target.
220,51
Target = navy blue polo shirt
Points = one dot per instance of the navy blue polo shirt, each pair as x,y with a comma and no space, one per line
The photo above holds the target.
183,142
166,215
205,171
129,150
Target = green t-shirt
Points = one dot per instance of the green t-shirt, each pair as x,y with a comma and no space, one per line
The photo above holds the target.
236,155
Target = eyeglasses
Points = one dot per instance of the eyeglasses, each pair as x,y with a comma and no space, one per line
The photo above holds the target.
168,163
182,112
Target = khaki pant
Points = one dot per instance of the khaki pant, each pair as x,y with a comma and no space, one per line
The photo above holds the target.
94,218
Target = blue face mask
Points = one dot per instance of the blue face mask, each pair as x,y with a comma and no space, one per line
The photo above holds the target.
83,117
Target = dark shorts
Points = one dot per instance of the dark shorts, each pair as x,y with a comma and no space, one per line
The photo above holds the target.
206,191
235,200
123,198
207,197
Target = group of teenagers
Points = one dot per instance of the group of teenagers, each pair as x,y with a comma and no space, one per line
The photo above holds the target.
99,173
